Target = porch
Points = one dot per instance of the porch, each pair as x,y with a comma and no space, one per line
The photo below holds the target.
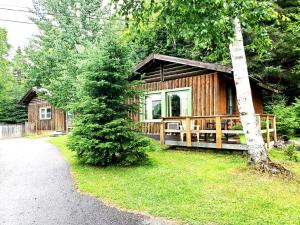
217,131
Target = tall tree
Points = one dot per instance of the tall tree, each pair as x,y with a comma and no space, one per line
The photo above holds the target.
256,145
66,27
10,89
214,25
103,132
280,67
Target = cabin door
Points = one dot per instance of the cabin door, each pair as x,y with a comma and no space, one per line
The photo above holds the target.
60,120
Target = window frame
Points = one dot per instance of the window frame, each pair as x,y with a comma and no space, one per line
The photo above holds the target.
164,106
45,113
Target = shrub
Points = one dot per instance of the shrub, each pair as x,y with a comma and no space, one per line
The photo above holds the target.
297,110
291,152
286,116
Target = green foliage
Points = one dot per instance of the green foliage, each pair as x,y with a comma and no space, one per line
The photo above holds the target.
296,106
53,55
291,152
237,127
197,29
11,88
280,67
287,117
103,132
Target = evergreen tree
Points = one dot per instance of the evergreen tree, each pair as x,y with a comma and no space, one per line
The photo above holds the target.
10,89
103,132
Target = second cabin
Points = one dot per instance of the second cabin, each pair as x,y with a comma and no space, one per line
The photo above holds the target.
180,90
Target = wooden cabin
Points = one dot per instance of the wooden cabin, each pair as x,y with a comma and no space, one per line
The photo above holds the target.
192,103
42,116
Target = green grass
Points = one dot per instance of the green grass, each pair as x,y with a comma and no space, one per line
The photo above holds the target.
195,187
35,136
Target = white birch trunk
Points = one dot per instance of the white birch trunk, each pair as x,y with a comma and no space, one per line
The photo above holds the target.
255,142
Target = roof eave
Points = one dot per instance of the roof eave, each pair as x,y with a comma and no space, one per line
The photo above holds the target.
210,66
27,97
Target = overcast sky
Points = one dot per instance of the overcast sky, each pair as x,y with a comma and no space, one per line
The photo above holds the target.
18,34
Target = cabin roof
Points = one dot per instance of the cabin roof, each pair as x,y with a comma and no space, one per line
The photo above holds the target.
204,65
153,59
28,96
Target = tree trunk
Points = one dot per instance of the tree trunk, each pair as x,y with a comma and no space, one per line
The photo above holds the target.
255,142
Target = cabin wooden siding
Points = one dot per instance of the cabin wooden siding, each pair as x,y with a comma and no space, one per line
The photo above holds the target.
208,95
56,123
257,96
204,91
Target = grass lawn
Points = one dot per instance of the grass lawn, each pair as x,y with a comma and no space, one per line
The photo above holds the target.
195,187
35,136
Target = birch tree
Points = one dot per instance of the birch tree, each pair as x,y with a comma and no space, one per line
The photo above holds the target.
255,142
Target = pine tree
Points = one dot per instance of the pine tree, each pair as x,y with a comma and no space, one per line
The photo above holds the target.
103,133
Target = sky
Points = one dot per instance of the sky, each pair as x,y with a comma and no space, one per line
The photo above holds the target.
18,34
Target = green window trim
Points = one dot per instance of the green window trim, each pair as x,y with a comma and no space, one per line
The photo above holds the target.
164,102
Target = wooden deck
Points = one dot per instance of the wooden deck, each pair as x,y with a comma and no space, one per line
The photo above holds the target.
218,131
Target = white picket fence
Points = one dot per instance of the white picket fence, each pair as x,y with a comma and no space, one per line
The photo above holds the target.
12,130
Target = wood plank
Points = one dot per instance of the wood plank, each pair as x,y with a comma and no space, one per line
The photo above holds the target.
162,72
211,83
203,95
208,145
162,133
275,129
188,131
268,132
194,96
219,133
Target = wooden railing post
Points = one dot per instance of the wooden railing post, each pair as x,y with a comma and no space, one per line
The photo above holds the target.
268,131
188,132
274,127
162,132
218,133
259,121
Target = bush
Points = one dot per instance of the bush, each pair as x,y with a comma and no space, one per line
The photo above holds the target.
291,152
286,116
296,105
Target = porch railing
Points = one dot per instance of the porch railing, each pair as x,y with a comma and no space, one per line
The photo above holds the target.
220,128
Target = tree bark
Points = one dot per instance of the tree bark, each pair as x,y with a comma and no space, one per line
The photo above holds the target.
255,142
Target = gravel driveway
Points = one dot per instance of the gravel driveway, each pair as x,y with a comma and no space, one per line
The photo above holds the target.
36,188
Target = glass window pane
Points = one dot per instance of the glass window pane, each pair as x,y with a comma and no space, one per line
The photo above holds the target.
48,110
153,106
177,103
230,103
156,109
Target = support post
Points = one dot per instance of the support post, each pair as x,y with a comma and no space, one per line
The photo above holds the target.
188,132
274,127
268,131
259,121
162,132
218,133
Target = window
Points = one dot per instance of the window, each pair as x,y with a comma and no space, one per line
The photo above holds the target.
70,117
45,113
230,100
175,102
153,106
